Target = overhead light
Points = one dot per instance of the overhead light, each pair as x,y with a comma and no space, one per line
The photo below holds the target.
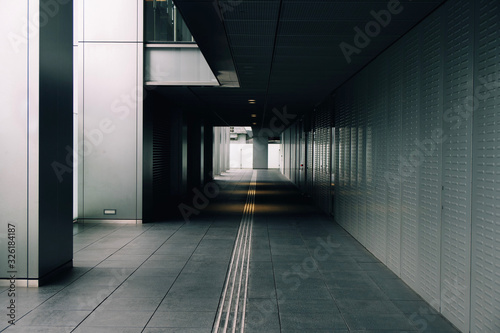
254,115
254,123
251,101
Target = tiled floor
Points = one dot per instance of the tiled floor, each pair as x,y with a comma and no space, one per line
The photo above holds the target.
306,274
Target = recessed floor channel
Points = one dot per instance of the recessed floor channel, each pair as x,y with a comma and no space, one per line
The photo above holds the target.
259,258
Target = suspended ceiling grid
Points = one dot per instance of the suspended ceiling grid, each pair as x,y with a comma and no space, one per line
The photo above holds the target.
285,53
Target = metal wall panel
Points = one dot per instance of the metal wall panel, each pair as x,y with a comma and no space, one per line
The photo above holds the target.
352,205
14,133
369,189
110,130
111,84
344,165
455,257
376,139
310,161
112,20
360,100
429,152
485,305
392,175
409,155
410,166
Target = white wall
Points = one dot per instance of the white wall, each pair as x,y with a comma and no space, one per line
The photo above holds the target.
274,151
241,156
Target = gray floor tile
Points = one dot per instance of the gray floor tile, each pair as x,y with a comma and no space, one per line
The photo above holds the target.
177,330
170,275
178,319
55,318
123,304
121,318
378,321
311,321
359,294
307,305
188,304
367,306
27,329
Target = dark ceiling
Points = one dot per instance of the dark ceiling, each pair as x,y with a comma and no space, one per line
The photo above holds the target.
284,53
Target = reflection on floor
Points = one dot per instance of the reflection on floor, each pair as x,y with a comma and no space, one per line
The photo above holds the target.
306,274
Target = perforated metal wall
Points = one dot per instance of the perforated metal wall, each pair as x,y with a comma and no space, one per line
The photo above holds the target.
457,163
417,166
429,154
486,169
392,175
378,141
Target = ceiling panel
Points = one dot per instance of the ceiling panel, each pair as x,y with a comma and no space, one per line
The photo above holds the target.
288,52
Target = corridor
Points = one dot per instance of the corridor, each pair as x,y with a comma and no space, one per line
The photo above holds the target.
306,274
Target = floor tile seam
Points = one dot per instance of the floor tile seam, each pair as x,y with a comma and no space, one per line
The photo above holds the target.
107,235
74,281
276,287
177,277
332,295
128,277
274,273
86,228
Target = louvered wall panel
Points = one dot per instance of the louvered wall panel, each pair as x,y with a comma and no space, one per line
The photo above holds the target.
429,152
322,157
288,153
372,232
293,159
376,138
455,257
410,169
360,100
336,162
326,138
353,175
162,159
347,162
310,161
394,138
346,149
316,157
293,137
340,121
486,191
